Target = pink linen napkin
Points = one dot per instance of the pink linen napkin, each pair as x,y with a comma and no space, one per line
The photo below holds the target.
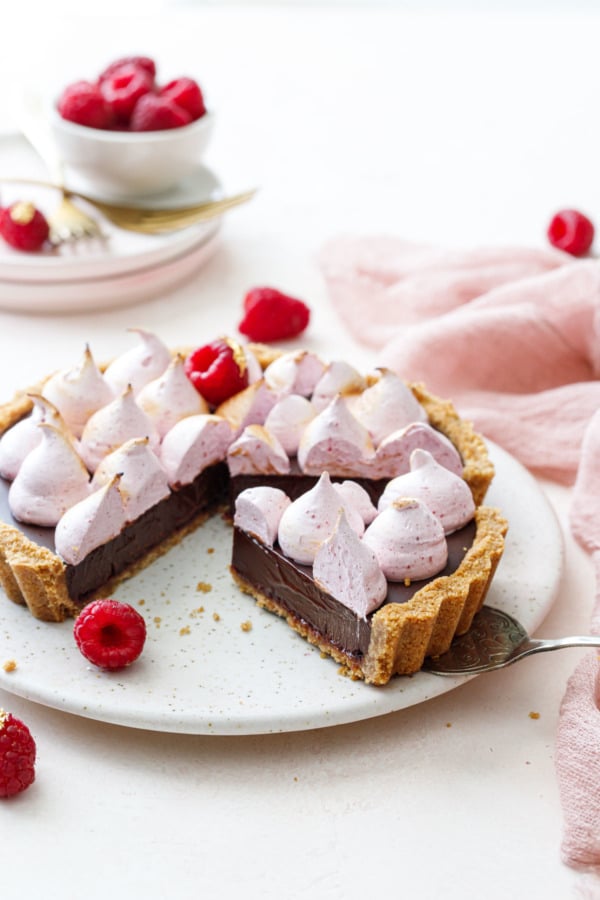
513,337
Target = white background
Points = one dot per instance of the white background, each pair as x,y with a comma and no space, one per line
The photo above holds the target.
460,128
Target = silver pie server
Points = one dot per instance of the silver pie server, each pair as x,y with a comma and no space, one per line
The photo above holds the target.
495,640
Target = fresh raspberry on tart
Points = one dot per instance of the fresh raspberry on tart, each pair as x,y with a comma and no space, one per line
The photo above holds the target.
217,370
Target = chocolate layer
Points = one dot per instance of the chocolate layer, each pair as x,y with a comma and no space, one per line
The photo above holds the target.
292,586
155,525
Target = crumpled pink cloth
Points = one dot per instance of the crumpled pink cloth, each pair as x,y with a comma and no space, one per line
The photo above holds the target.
512,335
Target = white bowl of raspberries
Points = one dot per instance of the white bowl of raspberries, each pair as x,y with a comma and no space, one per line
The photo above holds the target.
126,134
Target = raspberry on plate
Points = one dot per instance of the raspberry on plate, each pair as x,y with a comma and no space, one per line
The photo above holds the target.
186,93
123,88
153,113
83,103
23,226
110,634
217,370
270,315
17,755
571,231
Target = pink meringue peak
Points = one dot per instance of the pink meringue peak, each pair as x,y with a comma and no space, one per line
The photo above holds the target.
19,440
348,569
257,451
112,426
335,441
296,372
386,406
259,510
288,420
312,518
171,397
447,495
392,457
78,393
193,444
339,377
139,365
408,541
250,407
143,480
51,479
92,522
354,495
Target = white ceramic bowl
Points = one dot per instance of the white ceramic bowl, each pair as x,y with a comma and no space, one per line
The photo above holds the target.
129,164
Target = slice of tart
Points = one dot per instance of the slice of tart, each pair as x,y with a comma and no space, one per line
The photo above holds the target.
103,468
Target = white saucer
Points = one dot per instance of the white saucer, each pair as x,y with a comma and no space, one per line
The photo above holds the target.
107,272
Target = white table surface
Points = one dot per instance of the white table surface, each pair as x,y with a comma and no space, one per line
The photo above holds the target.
460,129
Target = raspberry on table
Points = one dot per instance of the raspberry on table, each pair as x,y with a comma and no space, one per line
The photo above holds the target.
270,315
23,226
110,634
17,755
123,88
154,113
571,231
217,370
186,93
84,104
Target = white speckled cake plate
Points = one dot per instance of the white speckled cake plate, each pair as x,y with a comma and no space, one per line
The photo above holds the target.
202,672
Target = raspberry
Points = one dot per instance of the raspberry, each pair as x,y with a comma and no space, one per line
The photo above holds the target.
110,634
83,103
152,113
186,93
23,226
270,315
571,231
140,62
218,370
17,755
123,88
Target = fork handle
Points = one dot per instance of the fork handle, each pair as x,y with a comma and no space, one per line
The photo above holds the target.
31,122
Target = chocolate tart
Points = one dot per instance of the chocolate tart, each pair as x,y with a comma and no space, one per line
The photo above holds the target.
393,640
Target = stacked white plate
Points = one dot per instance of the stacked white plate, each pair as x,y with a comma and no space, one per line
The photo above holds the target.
92,274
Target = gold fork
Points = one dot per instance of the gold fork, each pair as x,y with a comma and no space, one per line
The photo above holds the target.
133,218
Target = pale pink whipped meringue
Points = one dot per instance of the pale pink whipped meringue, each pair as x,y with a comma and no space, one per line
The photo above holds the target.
170,397
352,493
143,480
392,457
92,522
312,518
254,368
19,440
51,479
295,372
79,392
258,511
335,440
348,569
193,444
387,405
447,495
408,541
250,407
112,425
257,451
139,365
288,419
339,377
